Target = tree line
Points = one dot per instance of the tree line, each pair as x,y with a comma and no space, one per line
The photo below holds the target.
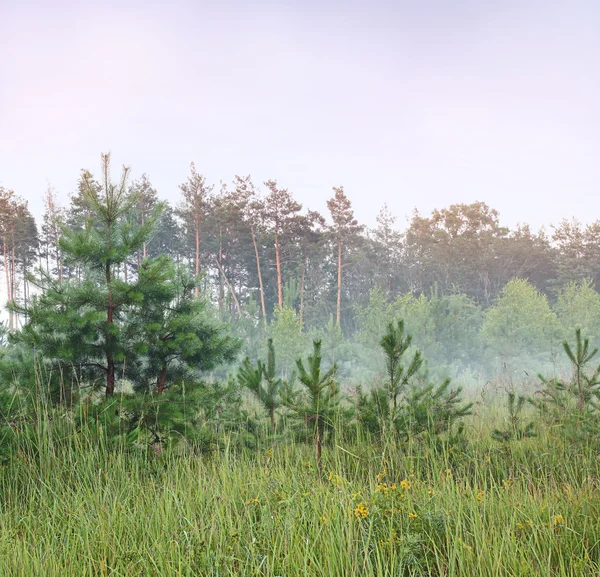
264,246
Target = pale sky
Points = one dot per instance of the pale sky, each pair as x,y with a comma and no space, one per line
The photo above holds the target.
415,104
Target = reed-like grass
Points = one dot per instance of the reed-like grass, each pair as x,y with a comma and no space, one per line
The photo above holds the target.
71,507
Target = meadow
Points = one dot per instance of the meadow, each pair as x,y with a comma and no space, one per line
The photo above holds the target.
453,505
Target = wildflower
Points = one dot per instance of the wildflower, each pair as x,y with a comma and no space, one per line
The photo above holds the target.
381,475
480,496
520,526
405,484
558,520
269,453
335,479
385,487
507,484
431,493
413,516
361,511
324,519
254,501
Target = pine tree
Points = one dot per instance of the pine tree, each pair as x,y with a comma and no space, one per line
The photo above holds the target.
343,229
53,222
280,211
80,322
319,399
193,209
251,377
173,334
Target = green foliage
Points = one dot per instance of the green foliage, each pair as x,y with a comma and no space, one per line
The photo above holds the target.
394,345
317,403
578,305
574,403
521,322
251,378
286,330
515,430
405,405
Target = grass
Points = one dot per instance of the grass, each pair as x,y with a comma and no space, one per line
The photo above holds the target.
472,507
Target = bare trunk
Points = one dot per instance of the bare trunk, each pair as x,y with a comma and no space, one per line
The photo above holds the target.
221,289
197,253
260,281
318,443
302,297
110,361
6,271
235,300
278,263
12,281
145,248
160,381
339,283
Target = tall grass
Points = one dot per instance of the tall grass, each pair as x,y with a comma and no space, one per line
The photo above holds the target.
70,506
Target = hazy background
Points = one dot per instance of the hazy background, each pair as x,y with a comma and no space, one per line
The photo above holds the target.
417,104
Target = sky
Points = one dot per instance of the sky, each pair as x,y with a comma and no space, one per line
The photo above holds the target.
416,104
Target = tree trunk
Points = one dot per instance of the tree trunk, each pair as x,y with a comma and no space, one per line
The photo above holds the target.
13,280
339,283
278,263
6,271
235,300
260,281
221,288
272,416
302,296
110,361
160,381
318,443
145,248
197,253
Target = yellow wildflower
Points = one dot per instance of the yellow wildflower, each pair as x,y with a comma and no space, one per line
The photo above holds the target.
385,487
335,479
413,516
381,475
480,496
558,520
361,511
254,501
405,484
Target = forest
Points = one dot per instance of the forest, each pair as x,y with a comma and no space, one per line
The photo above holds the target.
235,384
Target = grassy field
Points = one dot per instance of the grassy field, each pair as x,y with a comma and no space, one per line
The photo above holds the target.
472,507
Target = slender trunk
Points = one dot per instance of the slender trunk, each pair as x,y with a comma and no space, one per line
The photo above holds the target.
278,263
59,266
6,271
272,416
12,280
221,288
318,442
161,380
260,281
339,283
302,296
110,361
235,300
197,253
145,248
